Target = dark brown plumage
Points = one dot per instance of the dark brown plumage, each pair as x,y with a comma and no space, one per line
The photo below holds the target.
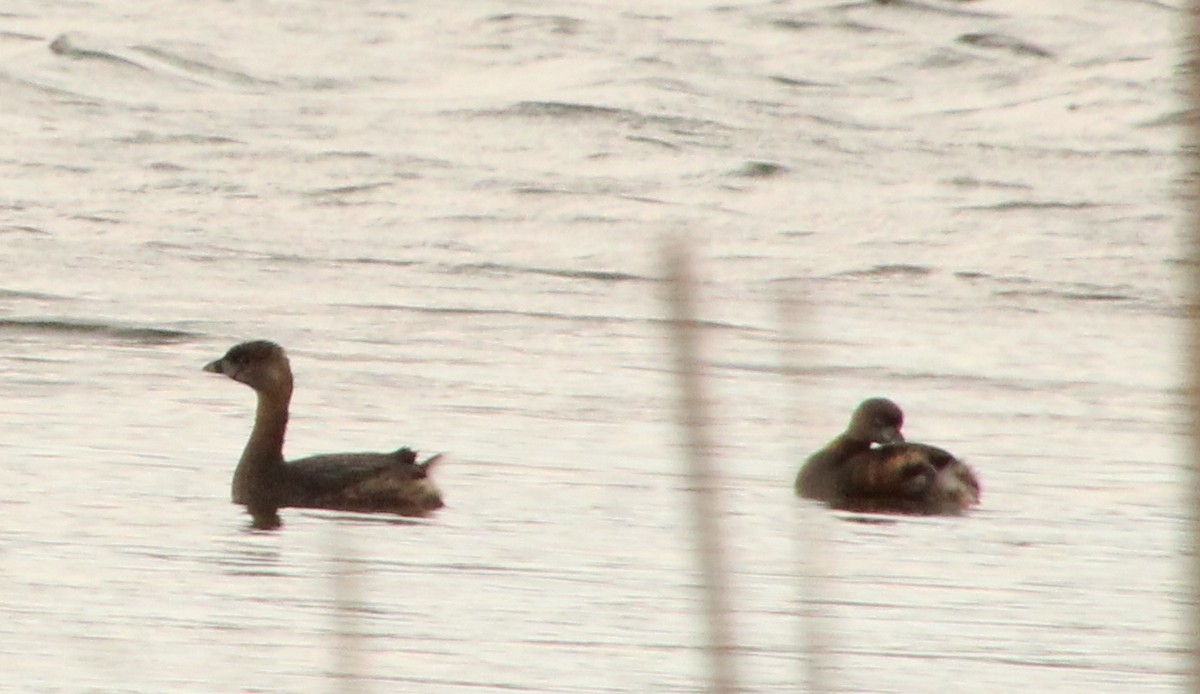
892,477
264,483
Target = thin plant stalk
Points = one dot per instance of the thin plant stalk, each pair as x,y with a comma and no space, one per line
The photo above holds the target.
347,603
693,412
812,542
1192,68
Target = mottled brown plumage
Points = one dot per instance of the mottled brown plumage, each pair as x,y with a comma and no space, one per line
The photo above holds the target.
852,474
264,483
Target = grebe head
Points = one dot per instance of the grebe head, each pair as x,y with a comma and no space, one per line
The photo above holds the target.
877,420
260,364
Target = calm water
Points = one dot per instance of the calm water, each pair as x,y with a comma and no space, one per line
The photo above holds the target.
450,214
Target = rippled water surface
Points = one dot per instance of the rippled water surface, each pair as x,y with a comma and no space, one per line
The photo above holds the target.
451,214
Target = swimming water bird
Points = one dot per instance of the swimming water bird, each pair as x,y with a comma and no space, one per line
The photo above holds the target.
891,477
264,483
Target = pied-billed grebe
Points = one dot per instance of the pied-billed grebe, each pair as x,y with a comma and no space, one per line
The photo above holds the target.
264,483
893,477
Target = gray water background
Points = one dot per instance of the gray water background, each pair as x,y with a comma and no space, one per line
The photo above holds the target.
450,214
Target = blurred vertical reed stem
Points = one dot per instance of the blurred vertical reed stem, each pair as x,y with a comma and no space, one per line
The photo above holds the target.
811,540
347,603
693,413
1191,55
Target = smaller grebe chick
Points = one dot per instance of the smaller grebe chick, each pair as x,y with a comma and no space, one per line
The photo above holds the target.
891,477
